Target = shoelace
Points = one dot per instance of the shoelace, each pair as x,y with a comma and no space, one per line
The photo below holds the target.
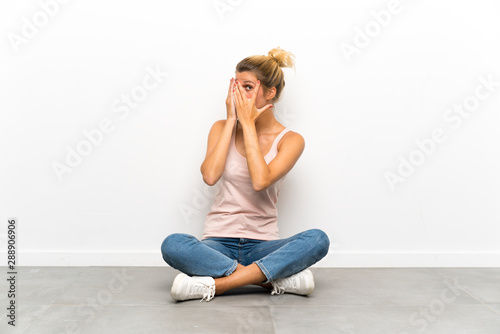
279,285
277,290
208,291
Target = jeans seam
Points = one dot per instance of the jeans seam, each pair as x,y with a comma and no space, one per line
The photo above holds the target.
264,271
232,269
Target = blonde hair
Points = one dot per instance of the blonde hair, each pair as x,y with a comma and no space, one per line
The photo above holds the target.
268,70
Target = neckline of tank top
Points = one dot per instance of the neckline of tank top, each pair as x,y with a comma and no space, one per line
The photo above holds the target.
233,140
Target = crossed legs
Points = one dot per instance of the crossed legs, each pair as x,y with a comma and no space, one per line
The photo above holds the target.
266,261
243,275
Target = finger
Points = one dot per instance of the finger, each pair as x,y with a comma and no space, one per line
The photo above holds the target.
243,94
261,110
231,88
254,96
238,92
231,84
237,100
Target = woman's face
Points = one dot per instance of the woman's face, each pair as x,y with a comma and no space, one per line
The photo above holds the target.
248,82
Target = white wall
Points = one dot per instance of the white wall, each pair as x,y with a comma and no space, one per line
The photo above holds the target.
360,114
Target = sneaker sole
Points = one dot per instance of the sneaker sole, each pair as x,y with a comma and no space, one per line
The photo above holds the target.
175,285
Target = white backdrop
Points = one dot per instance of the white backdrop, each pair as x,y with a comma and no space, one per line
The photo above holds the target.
106,108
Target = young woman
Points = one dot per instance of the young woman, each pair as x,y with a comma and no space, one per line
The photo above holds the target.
248,156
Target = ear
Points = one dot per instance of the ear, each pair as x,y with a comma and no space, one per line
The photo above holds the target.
270,93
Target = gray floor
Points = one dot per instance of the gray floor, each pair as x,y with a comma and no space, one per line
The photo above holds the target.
346,300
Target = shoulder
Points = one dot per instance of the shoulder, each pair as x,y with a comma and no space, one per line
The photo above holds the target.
218,126
292,138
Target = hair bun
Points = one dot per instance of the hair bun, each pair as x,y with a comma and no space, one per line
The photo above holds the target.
282,57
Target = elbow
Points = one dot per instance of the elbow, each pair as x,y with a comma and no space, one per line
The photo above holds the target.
209,180
259,186
258,189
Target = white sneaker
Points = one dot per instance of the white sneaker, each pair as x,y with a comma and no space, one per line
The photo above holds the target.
301,283
186,287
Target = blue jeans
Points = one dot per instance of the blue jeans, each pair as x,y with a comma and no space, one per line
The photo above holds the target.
218,257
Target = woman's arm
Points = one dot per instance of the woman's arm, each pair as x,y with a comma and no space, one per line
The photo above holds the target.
218,142
263,175
217,148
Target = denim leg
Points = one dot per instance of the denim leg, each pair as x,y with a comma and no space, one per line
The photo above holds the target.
227,246
195,258
285,257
